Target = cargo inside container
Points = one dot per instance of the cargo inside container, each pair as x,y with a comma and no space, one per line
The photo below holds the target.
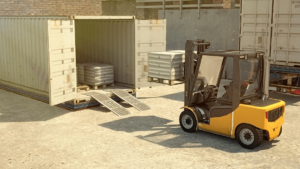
36,49
108,42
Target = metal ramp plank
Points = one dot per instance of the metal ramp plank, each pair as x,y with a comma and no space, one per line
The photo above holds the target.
131,100
108,103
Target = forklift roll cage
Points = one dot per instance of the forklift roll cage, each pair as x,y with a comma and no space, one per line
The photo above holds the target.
191,70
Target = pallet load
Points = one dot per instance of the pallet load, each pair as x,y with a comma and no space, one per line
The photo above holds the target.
80,73
165,66
98,75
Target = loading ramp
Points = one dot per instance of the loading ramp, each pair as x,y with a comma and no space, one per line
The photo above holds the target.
108,103
131,100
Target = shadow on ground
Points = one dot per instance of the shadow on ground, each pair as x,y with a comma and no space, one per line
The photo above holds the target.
17,108
172,136
174,96
290,100
30,113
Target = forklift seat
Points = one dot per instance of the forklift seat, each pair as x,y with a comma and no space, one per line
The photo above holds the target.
227,96
228,93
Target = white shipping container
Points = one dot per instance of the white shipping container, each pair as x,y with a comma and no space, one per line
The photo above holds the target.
165,65
39,54
255,31
272,26
286,33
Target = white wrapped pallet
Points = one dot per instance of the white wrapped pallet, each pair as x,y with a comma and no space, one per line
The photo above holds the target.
165,65
80,72
105,79
98,74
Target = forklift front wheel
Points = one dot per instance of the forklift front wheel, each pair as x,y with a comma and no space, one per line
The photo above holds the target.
248,136
188,121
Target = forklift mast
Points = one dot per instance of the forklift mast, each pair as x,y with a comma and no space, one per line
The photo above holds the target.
190,64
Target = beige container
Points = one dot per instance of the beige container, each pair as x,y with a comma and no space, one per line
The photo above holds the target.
272,27
39,54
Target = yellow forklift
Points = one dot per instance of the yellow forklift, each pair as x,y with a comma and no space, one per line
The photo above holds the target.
225,95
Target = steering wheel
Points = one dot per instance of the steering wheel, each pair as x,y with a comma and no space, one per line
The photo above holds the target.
208,92
226,87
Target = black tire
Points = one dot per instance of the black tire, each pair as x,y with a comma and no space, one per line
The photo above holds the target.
188,121
248,136
280,131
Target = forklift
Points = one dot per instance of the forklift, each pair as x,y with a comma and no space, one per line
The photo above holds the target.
225,94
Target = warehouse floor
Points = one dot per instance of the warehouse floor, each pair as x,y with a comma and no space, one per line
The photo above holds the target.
35,135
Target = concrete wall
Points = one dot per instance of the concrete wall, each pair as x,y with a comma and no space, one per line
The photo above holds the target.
50,7
218,26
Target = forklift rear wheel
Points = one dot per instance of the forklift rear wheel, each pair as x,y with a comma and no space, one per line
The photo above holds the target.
188,121
248,136
280,131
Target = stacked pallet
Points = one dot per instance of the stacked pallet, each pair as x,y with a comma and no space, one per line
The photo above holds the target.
80,72
165,66
98,75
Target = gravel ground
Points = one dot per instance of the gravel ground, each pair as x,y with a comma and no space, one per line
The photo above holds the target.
36,135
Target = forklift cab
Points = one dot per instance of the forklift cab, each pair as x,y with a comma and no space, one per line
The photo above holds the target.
224,94
223,80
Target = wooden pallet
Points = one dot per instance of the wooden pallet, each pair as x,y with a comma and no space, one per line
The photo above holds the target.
95,87
159,80
82,88
286,76
80,100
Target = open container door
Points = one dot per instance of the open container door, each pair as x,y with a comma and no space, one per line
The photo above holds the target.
62,61
255,25
150,36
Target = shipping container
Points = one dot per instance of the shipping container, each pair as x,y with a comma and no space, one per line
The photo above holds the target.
273,26
286,33
255,30
39,54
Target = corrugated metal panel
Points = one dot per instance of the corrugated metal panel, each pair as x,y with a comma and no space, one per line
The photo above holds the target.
23,52
150,37
286,32
256,17
62,61
108,41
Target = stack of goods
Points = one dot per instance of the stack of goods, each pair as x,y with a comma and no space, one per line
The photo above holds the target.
165,65
98,74
80,72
